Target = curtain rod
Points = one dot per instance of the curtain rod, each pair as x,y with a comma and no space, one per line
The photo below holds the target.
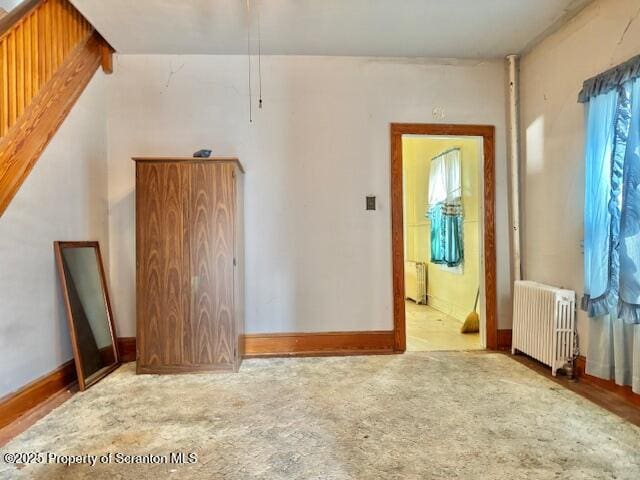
610,79
445,152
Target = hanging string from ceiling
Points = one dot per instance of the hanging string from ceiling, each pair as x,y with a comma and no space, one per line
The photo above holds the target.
249,55
249,58
259,59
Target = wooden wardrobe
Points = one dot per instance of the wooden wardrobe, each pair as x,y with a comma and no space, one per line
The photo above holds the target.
189,260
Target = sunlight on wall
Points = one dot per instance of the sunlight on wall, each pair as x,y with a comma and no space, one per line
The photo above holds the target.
535,146
448,292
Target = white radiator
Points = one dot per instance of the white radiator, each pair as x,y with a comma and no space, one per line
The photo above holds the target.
415,281
544,323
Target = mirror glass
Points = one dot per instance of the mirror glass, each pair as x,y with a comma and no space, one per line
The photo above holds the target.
88,309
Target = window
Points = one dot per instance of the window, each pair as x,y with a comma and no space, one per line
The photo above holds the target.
612,224
445,209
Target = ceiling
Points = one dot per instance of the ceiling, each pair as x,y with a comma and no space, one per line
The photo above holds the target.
397,28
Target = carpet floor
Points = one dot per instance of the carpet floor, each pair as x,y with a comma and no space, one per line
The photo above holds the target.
437,415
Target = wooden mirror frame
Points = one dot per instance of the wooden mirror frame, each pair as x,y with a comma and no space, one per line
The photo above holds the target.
84,383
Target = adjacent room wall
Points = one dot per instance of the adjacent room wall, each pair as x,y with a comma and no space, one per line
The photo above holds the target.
450,292
64,198
605,34
9,5
316,260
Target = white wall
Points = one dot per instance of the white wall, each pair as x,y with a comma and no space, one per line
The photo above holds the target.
9,5
606,33
64,198
315,259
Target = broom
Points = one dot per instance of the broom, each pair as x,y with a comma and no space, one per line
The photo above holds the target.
472,322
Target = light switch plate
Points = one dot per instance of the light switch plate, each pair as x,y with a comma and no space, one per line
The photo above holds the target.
371,202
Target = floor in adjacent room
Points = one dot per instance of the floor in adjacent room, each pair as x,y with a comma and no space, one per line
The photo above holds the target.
430,330
435,415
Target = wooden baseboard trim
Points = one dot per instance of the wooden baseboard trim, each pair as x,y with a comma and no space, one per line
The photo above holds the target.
602,397
127,349
16,404
318,344
504,339
609,385
22,423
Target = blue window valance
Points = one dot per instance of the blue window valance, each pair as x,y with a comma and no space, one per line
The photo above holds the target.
610,80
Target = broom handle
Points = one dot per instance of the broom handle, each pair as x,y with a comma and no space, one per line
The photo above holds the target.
475,305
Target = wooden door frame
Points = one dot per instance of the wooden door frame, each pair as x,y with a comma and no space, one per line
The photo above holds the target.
487,132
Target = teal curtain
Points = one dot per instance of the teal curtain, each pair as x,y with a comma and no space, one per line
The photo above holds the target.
446,234
445,209
437,245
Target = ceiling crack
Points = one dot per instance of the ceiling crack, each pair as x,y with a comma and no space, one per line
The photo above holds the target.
631,20
172,72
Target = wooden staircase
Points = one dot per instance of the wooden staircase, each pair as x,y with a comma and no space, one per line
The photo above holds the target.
48,54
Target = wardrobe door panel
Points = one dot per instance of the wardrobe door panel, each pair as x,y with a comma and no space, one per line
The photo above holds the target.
163,299
212,246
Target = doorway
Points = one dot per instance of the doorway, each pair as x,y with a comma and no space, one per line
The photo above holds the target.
443,249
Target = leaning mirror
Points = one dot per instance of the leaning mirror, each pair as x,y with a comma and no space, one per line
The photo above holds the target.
88,310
